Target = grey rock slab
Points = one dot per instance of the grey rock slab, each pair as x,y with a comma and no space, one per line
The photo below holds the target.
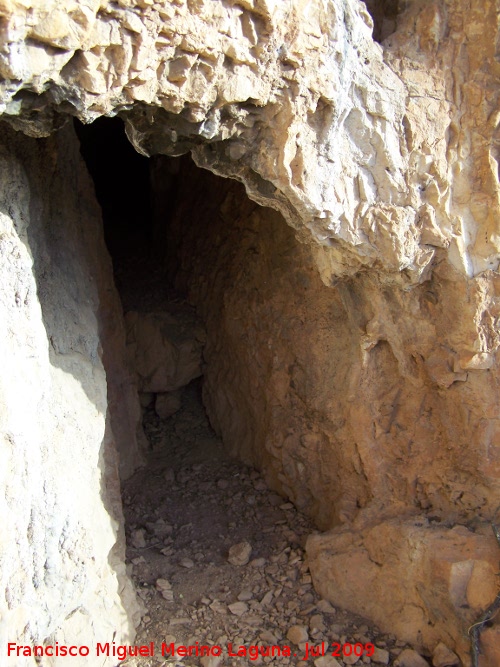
238,608
380,656
245,595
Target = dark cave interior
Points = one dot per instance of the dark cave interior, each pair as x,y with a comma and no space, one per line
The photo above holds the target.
138,197
384,14
121,177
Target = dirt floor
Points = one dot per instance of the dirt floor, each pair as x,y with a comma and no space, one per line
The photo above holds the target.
218,561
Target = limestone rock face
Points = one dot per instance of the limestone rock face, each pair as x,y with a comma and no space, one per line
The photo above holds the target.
359,369
356,146
62,542
347,396
426,572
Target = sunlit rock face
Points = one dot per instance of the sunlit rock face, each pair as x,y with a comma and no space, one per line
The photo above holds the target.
62,545
381,156
367,386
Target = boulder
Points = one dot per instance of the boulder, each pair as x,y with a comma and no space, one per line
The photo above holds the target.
164,349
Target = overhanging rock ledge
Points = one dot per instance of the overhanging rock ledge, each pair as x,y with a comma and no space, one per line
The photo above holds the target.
376,407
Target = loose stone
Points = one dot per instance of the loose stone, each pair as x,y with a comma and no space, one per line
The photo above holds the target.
380,656
410,658
239,554
238,608
327,661
444,657
297,634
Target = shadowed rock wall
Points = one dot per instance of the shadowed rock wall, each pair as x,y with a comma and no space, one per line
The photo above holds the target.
379,156
62,545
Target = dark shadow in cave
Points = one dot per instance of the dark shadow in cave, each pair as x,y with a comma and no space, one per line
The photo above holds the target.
384,14
121,179
138,197
191,503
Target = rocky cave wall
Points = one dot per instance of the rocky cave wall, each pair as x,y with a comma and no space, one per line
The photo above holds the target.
375,407
67,401
347,399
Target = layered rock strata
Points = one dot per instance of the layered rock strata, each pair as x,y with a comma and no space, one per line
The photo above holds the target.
380,156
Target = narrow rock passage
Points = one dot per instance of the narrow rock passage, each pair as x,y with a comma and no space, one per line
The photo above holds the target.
218,559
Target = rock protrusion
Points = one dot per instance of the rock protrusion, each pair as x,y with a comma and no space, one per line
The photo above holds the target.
164,349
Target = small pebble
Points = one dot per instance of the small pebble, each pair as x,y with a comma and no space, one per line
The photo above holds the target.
326,661
239,554
297,634
245,595
238,608
380,656
137,539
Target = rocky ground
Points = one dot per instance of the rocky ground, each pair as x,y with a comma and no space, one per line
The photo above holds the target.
218,561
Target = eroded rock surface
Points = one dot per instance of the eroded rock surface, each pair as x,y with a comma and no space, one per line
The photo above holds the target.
353,406
426,572
164,349
359,370
62,544
357,147
220,559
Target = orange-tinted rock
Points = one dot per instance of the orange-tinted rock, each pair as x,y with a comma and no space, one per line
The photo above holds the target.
490,646
412,578
359,370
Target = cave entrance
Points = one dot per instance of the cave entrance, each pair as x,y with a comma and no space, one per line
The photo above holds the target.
205,534
138,197
217,557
